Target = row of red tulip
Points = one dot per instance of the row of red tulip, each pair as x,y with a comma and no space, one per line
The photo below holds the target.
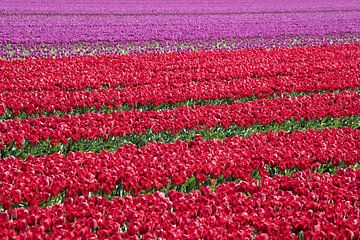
155,165
307,205
35,102
92,126
79,73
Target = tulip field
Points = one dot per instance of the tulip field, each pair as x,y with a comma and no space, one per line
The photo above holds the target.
180,119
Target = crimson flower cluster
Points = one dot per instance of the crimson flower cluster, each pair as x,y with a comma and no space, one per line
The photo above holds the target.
92,125
318,206
155,165
35,102
79,73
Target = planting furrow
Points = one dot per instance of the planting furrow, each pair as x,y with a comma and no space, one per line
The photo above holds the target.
167,96
305,205
158,165
92,126
80,73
